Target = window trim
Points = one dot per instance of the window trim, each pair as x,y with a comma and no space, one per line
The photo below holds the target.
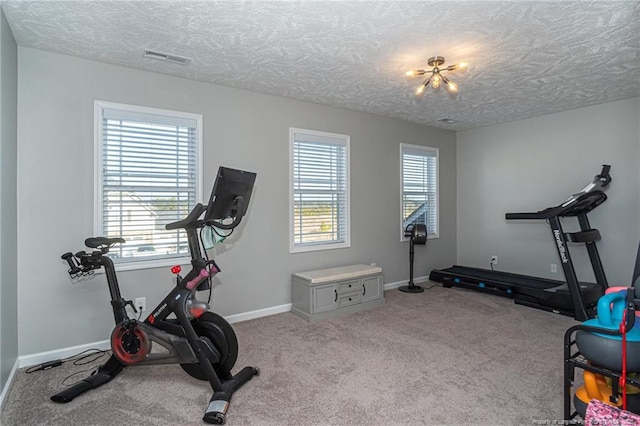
293,248
430,150
99,107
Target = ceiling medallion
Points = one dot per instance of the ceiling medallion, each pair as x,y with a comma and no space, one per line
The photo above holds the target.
435,76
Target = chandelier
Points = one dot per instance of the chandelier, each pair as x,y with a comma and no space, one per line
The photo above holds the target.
435,76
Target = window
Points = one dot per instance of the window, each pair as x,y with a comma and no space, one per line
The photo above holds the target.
319,190
148,174
419,187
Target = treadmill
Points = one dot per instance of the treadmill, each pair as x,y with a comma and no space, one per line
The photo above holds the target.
570,297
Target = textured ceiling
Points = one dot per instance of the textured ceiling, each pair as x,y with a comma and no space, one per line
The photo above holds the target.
526,58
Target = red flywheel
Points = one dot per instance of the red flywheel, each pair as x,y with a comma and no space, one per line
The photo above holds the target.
130,346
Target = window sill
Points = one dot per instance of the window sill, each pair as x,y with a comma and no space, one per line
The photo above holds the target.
318,247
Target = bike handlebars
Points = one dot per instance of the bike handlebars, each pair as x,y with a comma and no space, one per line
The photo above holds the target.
74,266
83,263
220,225
192,220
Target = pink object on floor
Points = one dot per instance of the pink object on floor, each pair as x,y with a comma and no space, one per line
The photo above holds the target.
599,413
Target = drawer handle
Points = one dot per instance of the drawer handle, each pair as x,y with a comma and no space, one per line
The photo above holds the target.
364,290
349,299
336,298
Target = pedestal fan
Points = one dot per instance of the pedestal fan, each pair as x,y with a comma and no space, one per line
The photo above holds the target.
417,234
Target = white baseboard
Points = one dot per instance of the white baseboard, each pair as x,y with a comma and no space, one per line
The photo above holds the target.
7,386
39,358
259,313
416,280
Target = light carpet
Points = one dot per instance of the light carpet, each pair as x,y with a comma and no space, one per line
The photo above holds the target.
442,357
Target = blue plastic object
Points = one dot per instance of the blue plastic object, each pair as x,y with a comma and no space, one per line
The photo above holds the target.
610,310
481,285
605,350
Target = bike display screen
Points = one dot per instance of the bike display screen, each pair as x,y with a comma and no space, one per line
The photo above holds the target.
230,195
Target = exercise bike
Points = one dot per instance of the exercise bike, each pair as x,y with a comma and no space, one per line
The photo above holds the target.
202,342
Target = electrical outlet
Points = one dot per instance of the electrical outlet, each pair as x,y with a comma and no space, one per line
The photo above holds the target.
494,260
141,304
554,268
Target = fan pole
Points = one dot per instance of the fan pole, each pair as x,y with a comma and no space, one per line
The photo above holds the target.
411,288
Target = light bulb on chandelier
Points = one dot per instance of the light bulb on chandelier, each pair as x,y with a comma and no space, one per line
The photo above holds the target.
434,75
436,81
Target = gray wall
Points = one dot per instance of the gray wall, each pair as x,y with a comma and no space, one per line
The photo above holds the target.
8,219
241,129
532,164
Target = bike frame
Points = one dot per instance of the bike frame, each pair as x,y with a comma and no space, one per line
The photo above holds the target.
178,336
173,335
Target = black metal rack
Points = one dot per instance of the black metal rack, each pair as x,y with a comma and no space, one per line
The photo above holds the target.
573,358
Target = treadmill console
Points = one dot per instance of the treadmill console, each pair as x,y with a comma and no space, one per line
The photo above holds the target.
599,183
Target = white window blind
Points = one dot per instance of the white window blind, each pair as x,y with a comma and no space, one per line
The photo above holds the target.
320,190
148,177
419,203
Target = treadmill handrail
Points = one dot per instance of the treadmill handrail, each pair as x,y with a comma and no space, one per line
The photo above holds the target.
582,204
584,201
542,214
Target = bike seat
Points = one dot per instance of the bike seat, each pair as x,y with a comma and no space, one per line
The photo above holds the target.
95,242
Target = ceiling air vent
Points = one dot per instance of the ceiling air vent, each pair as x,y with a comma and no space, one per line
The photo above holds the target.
166,57
447,120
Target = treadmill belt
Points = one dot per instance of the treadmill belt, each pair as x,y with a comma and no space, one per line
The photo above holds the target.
505,278
534,291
